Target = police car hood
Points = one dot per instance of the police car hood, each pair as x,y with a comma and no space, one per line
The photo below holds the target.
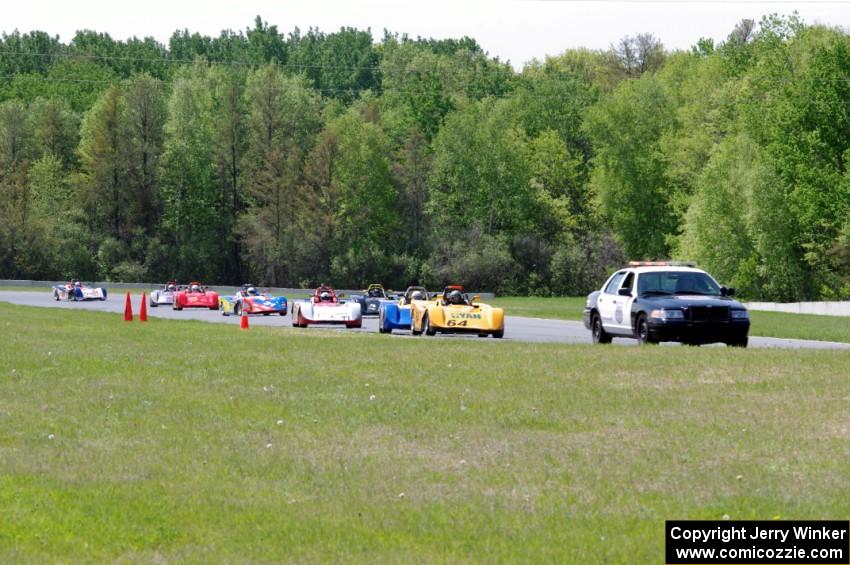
681,300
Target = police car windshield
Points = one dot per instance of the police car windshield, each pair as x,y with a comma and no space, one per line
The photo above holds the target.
677,282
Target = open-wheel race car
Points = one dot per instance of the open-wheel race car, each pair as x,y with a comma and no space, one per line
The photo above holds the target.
195,295
250,300
164,295
371,299
77,291
396,315
452,311
325,308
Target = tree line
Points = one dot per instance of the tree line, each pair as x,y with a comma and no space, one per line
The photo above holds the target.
294,159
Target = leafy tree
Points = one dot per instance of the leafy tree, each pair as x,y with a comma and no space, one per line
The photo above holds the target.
717,230
283,119
630,174
191,200
143,125
55,129
411,168
104,199
639,54
366,200
480,176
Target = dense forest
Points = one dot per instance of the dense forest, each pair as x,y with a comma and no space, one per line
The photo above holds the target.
293,159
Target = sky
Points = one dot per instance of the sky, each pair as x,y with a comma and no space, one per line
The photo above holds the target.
513,30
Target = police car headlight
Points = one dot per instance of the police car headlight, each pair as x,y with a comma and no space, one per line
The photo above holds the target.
740,315
664,314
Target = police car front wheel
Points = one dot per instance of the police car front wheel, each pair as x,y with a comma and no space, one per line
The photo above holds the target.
642,333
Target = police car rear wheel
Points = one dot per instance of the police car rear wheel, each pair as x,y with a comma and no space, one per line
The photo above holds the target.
599,333
743,342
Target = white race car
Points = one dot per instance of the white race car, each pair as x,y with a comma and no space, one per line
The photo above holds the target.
325,308
77,291
164,295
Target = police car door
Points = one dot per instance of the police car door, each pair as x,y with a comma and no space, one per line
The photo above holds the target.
623,305
605,302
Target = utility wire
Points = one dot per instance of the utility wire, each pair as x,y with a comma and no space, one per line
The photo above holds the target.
450,67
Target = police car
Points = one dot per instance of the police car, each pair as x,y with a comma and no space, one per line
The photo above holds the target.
666,301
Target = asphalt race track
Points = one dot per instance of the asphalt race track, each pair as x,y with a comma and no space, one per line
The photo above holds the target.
516,328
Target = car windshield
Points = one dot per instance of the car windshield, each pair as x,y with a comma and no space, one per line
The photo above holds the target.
677,282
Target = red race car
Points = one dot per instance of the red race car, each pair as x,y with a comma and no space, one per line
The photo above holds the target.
195,295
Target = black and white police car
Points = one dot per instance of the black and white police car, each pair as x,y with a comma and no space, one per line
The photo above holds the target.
666,301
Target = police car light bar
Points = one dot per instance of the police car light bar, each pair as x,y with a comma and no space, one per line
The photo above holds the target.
662,264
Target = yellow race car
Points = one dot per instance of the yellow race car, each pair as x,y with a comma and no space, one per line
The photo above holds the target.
453,312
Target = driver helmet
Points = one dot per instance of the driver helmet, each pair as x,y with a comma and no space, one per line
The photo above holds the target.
252,291
417,295
325,296
170,286
78,283
374,292
455,297
195,288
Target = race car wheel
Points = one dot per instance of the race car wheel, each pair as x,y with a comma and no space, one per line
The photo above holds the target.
413,330
598,332
237,310
153,304
357,324
426,326
643,335
382,317
177,307
302,323
499,334
55,296
741,342
282,312
482,335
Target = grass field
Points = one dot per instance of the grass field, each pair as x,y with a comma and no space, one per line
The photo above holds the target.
190,441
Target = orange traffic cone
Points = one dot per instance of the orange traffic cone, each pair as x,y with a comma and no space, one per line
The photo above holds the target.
243,323
143,309
128,309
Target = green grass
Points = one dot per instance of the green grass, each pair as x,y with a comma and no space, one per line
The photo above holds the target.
766,324
559,308
190,441
800,326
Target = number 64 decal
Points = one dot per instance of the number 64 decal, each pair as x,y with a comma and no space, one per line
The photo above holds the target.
453,323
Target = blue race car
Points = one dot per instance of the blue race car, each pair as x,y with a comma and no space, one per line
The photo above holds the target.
251,301
396,315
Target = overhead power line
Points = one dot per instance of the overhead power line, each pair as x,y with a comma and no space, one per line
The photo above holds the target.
178,61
